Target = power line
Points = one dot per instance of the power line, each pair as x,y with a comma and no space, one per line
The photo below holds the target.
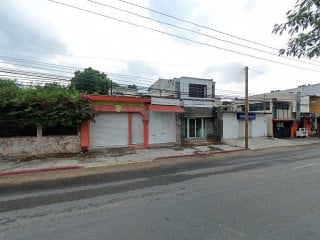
202,34
114,76
28,65
29,78
198,25
183,38
35,62
55,67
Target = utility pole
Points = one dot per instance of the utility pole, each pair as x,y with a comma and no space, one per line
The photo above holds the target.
246,112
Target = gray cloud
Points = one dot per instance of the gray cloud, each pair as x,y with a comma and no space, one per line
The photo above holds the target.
178,8
233,72
182,9
21,35
228,73
141,69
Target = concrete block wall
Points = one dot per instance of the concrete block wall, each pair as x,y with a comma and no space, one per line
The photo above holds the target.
39,145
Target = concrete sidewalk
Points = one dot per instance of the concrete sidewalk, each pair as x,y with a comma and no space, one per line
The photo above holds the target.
268,142
106,157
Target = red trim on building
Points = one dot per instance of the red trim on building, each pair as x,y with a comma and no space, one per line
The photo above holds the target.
124,109
85,136
143,110
294,130
116,98
165,108
145,133
130,128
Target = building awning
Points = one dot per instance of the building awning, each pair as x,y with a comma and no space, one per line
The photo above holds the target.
165,108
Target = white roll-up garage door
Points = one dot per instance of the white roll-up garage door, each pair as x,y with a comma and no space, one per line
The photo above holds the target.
109,130
242,129
162,127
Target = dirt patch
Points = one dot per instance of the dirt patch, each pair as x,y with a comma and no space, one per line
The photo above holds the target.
22,158
105,152
213,148
108,152
179,148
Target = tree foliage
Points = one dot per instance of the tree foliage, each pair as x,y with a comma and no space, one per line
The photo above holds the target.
8,91
48,106
91,81
303,25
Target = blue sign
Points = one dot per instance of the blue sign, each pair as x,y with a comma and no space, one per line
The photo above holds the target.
241,116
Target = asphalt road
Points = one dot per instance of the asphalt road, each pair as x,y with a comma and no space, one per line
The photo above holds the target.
269,196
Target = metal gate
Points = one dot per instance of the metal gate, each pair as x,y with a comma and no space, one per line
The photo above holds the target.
109,130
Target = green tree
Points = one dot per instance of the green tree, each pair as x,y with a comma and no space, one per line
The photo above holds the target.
8,91
91,81
47,106
55,105
303,26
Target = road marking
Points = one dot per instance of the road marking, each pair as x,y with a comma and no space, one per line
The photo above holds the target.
306,165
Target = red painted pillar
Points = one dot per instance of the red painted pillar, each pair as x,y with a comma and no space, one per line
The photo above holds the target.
145,133
294,129
130,129
85,136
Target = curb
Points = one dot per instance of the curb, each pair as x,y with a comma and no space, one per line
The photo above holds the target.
116,164
200,154
36,170
51,169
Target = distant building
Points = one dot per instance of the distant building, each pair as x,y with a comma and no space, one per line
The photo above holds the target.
124,90
304,90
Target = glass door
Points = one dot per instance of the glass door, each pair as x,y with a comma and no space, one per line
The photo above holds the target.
191,128
195,128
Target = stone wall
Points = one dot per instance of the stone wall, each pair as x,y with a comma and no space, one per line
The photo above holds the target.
39,145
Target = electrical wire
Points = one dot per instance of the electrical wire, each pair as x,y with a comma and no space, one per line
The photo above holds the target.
198,25
183,38
202,34
30,77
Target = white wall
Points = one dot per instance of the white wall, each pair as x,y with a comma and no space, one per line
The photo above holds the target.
197,103
165,101
162,127
233,128
230,125
305,104
259,126
269,125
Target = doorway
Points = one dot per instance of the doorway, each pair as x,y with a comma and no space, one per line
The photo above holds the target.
195,128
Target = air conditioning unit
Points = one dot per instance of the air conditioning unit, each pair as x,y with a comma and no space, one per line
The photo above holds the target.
303,132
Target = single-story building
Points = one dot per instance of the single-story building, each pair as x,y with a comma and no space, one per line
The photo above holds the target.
234,124
137,122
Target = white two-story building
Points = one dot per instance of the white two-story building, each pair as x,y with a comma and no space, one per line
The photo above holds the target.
197,97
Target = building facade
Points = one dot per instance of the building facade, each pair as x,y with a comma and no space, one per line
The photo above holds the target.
136,122
197,98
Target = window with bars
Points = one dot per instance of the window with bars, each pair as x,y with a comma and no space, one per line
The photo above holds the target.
197,90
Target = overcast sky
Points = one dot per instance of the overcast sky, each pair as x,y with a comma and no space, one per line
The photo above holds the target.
40,30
